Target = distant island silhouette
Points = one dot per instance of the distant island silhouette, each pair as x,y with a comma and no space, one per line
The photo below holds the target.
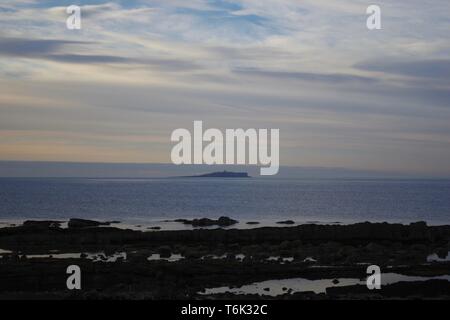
222,174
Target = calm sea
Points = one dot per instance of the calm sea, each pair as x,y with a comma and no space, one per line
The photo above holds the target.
258,199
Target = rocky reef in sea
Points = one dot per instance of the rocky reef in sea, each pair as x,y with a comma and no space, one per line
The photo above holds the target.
184,264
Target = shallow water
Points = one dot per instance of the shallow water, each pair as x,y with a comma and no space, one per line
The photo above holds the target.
435,258
279,259
94,256
151,201
172,258
318,286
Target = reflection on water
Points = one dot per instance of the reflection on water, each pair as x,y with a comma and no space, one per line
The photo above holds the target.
240,257
435,258
279,287
53,256
172,258
279,259
94,256
214,257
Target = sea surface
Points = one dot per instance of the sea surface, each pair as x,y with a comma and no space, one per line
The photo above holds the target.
257,199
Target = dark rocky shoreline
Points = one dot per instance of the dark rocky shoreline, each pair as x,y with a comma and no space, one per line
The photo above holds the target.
219,257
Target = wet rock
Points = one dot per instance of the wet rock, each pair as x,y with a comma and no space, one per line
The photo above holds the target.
373,247
285,245
442,253
42,224
225,221
193,254
83,223
164,251
286,222
206,222
285,253
418,230
335,281
419,247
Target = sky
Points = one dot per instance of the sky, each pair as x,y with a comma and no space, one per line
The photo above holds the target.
341,95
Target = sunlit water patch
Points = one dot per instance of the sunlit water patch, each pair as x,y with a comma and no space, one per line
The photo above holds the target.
435,258
283,286
94,256
172,258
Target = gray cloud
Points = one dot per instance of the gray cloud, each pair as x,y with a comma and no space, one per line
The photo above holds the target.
52,50
30,47
433,68
305,76
85,59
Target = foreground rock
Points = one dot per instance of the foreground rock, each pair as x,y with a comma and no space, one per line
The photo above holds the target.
211,258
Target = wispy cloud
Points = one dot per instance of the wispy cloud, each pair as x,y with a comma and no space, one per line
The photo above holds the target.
335,78
52,50
431,68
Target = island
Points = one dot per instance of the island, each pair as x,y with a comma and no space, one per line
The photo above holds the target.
222,174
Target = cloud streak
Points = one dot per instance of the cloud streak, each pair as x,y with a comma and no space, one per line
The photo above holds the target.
49,50
432,68
335,78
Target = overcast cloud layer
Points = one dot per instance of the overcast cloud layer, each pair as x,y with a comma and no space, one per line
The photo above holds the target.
342,96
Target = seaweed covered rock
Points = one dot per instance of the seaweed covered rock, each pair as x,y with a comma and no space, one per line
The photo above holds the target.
83,223
42,224
206,222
